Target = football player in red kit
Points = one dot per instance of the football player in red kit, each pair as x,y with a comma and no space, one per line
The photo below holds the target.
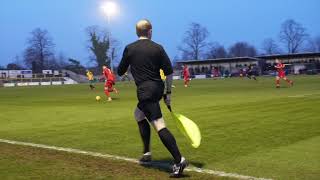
186,75
281,74
109,82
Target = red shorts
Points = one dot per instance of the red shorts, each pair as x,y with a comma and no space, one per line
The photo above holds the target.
186,78
109,84
282,74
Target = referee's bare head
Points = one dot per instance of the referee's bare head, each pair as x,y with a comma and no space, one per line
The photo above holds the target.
144,28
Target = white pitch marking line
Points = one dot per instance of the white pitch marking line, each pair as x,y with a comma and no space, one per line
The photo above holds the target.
303,95
108,156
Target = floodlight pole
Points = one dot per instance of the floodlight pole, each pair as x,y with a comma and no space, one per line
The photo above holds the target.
111,56
109,9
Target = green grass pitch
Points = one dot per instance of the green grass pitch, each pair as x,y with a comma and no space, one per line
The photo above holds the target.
250,128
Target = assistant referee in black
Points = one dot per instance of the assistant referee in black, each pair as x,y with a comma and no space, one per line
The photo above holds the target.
145,59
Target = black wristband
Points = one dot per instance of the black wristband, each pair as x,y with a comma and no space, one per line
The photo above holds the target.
168,92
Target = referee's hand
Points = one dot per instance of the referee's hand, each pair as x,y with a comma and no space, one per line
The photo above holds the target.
167,99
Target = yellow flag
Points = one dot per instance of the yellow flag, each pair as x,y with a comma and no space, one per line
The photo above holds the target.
189,129
163,77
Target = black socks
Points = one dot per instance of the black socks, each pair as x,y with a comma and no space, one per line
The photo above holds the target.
144,129
169,141
166,137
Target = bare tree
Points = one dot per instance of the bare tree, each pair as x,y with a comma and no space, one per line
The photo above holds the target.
313,44
40,49
270,47
293,35
309,46
99,45
61,60
17,61
114,51
215,50
57,62
242,49
14,66
317,43
194,42
75,66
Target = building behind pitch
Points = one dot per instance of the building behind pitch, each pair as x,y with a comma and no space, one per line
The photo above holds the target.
299,63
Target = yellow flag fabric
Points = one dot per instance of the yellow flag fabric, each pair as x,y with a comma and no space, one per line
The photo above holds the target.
189,129
163,77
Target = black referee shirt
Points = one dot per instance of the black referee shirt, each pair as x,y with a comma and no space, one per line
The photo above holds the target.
145,59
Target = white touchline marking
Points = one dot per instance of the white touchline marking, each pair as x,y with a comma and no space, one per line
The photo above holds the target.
108,156
302,95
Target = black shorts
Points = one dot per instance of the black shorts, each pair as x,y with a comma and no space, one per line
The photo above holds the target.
149,94
250,73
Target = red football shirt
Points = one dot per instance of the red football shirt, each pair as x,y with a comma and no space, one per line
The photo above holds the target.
280,67
185,72
108,75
